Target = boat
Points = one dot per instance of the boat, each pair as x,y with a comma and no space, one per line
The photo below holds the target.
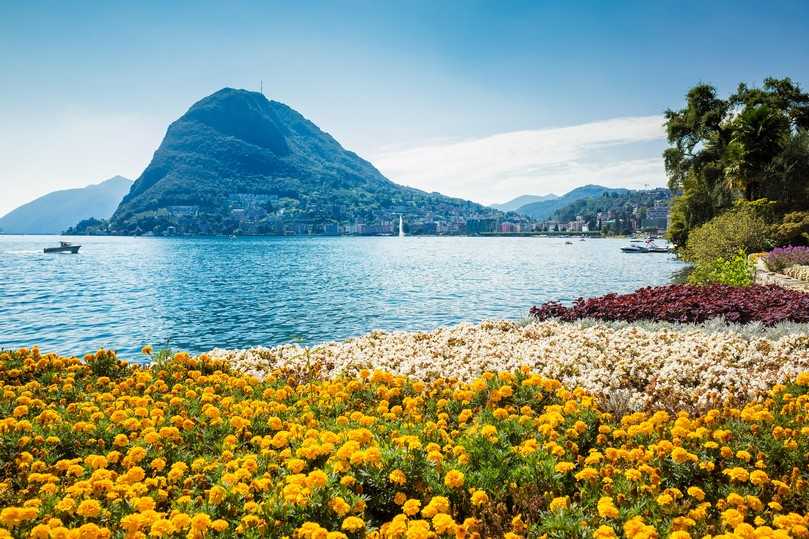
645,246
635,249
568,243
64,247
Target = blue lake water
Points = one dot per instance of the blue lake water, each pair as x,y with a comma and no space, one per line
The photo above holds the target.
199,293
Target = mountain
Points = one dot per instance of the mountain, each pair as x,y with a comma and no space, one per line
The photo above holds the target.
54,212
236,162
521,201
546,208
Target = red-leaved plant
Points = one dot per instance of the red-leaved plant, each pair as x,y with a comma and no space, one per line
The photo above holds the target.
687,303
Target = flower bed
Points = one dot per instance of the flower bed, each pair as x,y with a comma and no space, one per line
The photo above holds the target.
688,303
781,258
798,272
190,448
630,367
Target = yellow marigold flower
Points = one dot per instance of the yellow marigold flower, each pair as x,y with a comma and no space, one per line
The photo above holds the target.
146,350
759,477
317,478
680,534
737,474
352,524
120,440
802,379
40,531
664,499
161,528
696,493
743,455
454,479
604,532
438,504
559,503
339,505
587,474
411,507
200,522
181,521
681,456
564,467
219,525
479,497
444,524
89,508
397,477
732,518
606,508
216,495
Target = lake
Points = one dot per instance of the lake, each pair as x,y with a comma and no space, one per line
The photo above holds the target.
199,293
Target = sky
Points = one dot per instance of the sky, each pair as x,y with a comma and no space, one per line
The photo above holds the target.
484,100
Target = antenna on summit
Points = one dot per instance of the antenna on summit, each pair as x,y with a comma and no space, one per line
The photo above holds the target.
262,86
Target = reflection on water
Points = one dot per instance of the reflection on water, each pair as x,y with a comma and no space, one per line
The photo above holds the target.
199,293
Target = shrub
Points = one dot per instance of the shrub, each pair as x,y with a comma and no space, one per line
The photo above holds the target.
798,272
794,229
740,229
782,257
688,303
735,272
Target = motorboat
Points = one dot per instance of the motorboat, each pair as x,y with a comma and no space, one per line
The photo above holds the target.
645,246
64,247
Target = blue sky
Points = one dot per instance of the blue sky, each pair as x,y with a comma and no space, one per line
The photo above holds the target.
440,95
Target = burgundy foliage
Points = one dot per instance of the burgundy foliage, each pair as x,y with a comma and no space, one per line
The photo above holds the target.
687,303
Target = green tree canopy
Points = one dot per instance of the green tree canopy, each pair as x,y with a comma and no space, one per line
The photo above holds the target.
751,145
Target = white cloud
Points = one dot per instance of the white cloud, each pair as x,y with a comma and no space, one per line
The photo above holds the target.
499,167
73,149
77,147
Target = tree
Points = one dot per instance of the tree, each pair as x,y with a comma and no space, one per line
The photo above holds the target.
759,136
751,145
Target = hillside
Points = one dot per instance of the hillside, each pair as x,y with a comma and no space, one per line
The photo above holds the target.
545,209
521,201
56,211
239,163
611,202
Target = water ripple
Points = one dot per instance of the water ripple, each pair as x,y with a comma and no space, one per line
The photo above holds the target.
197,293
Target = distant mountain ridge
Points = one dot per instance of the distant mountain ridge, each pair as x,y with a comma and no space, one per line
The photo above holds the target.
546,208
236,162
56,211
522,200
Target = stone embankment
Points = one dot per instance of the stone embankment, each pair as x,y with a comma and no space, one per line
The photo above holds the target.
765,276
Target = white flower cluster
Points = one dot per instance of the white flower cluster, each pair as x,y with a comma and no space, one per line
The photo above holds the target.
797,272
629,366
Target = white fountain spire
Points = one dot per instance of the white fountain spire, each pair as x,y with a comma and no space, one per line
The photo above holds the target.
401,226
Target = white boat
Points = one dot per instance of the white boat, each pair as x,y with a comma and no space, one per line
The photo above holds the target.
645,246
